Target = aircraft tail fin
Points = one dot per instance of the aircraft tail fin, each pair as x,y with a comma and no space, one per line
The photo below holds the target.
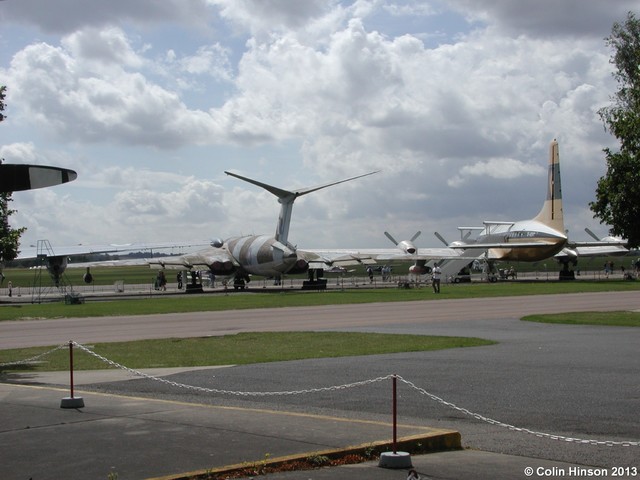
286,199
551,212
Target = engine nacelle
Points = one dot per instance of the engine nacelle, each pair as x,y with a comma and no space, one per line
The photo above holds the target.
87,277
419,269
407,247
56,267
301,266
217,242
222,268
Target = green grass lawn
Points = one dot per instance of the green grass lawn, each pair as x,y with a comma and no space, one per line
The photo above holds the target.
267,347
296,298
24,277
239,349
612,319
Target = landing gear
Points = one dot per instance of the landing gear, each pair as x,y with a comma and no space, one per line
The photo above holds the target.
315,282
240,282
567,272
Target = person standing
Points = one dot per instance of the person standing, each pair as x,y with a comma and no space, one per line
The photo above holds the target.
436,273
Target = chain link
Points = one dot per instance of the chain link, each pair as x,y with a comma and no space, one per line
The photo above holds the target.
231,392
498,423
334,388
36,358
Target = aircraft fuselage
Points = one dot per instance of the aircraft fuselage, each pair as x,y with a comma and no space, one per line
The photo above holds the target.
547,240
263,255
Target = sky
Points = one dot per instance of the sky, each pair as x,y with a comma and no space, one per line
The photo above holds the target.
455,102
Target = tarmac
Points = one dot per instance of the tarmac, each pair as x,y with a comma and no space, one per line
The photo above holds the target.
116,436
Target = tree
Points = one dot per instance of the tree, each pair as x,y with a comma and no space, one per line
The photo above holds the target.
3,91
618,192
9,237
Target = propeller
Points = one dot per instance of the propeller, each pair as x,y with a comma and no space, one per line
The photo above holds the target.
405,245
441,238
593,235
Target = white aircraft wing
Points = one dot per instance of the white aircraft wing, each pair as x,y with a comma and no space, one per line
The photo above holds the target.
345,257
423,253
487,246
599,248
202,259
79,250
335,258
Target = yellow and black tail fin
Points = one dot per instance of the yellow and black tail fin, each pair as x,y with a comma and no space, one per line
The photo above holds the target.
551,213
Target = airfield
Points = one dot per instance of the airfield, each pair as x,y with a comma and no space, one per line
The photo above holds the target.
575,386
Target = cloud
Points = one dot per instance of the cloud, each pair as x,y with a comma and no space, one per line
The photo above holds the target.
503,169
19,153
317,91
263,17
70,15
100,94
384,91
211,60
544,18
410,8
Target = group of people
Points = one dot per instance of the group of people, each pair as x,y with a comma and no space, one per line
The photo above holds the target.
385,271
161,281
436,275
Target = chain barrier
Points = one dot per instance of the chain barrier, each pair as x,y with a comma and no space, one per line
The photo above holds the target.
498,423
36,358
231,392
422,391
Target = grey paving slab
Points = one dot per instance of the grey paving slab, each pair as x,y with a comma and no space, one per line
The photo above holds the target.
142,437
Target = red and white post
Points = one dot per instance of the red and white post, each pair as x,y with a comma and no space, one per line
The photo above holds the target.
71,401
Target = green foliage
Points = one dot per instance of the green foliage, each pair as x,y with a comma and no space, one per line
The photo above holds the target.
3,91
618,192
9,237
318,460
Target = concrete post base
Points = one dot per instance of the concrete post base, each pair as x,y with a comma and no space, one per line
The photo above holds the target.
72,402
395,460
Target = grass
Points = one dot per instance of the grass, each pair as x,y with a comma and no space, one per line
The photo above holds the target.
609,319
238,349
24,277
268,347
294,298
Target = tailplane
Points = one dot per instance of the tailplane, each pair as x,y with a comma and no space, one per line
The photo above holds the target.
551,213
286,199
